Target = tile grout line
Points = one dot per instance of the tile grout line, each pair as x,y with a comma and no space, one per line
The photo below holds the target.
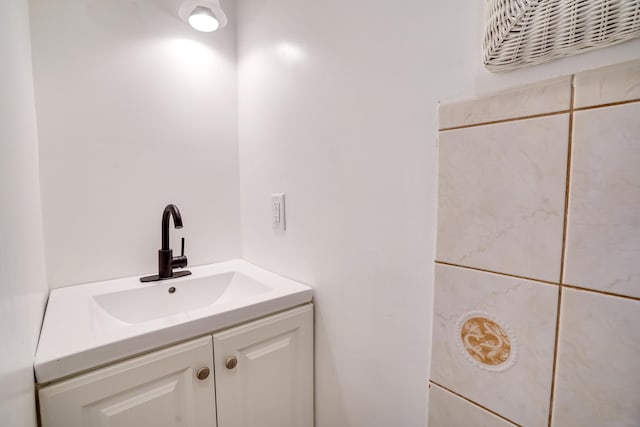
599,292
609,104
563,254
474,403
539,281
509,120
535,116
554,367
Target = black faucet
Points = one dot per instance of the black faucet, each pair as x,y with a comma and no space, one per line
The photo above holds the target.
166,261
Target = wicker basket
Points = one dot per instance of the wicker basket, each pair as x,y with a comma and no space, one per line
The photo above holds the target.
520,33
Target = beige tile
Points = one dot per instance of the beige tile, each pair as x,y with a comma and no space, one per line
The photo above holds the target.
448,410
598,373
620,82
539,98
603,241
518,388
501,196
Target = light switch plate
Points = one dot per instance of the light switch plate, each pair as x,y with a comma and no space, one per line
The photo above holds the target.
277,211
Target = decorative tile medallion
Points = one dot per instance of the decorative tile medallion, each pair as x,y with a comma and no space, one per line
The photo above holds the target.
486,342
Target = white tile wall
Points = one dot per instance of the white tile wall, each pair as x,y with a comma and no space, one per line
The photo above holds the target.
528,309
606,85
501,196
603,241
501,208
448,410
538,98
598,373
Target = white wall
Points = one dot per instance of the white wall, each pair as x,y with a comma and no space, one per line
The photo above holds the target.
22,270
337,108
136,110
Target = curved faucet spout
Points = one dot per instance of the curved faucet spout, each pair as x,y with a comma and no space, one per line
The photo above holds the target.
170,210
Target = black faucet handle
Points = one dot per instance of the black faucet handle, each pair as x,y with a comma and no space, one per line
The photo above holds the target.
179,261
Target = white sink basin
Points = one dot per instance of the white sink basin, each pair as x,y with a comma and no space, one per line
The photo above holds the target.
153,302
90,325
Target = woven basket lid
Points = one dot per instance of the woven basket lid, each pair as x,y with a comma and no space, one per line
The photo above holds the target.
520,33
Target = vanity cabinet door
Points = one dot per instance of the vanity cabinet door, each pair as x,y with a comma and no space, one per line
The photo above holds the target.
264,371
159,389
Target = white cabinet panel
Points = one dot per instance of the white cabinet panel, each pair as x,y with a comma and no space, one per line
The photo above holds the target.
159,389
272,383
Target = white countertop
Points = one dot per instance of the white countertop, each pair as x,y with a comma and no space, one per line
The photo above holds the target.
79,333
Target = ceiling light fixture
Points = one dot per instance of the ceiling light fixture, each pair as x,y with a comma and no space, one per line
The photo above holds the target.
203,15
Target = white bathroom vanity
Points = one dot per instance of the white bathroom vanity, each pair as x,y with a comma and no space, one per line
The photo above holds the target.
229,346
